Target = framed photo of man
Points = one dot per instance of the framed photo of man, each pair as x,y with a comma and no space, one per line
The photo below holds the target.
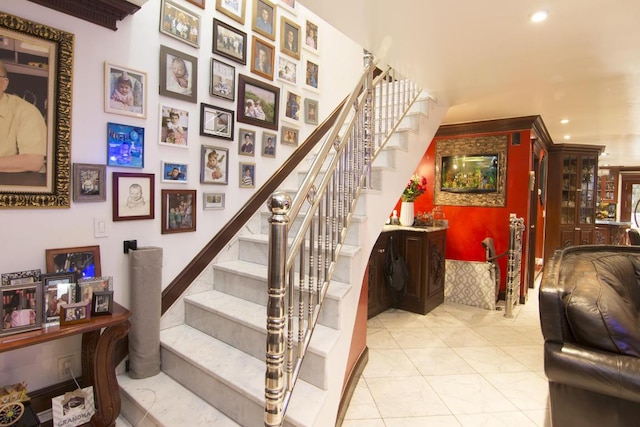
262,61
264,18
289,38
36,77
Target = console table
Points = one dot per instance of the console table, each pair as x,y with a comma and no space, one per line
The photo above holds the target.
99,336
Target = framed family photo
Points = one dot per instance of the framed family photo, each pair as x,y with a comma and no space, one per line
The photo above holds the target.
269,144
216,122
258,103
289,135
41,75
78,312
223,80
125,91
180,23
263,57
21,308
133,196
174,126
234,9
178,211
229,42
178,74
247,145
211,201
264,18
82,261
89,182
214,165
287,70
173,172
289,37
125,146
310,111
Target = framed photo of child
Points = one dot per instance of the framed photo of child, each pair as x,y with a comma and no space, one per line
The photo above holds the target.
178,211
247,175
174,126
214,165
125,146
173,172
133,196
125,91
178,74
269,144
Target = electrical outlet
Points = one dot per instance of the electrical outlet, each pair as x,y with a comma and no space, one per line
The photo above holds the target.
64,367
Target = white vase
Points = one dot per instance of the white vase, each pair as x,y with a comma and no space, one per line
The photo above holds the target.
406,214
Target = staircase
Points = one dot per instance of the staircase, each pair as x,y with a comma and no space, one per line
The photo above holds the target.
213,339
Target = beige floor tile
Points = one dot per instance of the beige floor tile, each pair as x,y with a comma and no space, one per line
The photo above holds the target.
460,337
434,421
389,363
405,397
526,390
489,359
469,394
380,338
438,361
498,419
416,338
362,405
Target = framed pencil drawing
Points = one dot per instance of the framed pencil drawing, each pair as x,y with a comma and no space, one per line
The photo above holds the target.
258,103
180,23
178,74
133,196
89,182
229,42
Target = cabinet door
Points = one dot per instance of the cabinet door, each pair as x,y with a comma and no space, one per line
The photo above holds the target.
380,298
435,274
567,237
414,251
587,211
602,235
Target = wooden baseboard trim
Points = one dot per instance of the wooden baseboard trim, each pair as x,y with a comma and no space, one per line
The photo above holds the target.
351,384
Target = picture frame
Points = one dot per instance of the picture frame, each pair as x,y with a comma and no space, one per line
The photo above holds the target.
312,74
178,211
21,308
263,55
102,303
264,18
78,312
87,287
247,142
310,36
311,111
223,80
174,172
289,37
290,5
83,261
125,145
287,70
58,288
174,127
251,92
293,107
20,277
216,122
214,165
136,201
234,9
269,143
212,201
247,178
89,182
178,74
289,136
125,91
45,71
179,22
199,3
229,42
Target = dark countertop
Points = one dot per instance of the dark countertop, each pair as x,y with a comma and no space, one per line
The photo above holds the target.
414,228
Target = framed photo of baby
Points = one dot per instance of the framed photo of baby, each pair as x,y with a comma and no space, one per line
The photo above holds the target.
214,165
125,91
178,74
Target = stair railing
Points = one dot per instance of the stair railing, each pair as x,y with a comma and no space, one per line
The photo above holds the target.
300,270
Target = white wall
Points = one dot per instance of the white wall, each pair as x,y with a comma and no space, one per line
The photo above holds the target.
27,233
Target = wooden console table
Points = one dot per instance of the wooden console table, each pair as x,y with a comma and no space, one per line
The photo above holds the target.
99,336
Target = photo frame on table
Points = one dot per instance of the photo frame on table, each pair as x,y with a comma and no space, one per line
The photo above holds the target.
178,211
174,127
21,308
289,135
247,175
269,144
289,37
20,277
125,146
252,92
247,144
234,9
212,201
45,80
293,107
199,3
263,58
264,18
310,36
216,122
223,80
87,287
133,196
89,182
178,74
287,70
58,288
102,303
311,111
229,42
214,165
83,261
180,23
312,74
173,172
125,91
79,312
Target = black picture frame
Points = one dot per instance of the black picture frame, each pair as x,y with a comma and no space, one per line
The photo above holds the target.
185,86
216,122
251,91
229,42
102,303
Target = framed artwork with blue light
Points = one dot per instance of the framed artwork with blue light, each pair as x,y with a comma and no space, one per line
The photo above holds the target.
125,146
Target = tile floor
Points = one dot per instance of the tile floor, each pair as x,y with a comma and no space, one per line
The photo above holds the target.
455,366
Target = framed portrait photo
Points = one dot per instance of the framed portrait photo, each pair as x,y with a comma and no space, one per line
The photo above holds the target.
258,103
174,126
180,23
216,122
229,42
78,312
264,18
311,72
58,289
125,146
214,165
102,303
287,70
39,64
247,175
211,201
269,144
247,144
290,4
293,107
21,308
262,58
311,111
125,91
20,277
178,74
234,9
178,211
89,182
289,37
199,3
223,80
176,173
133,196
310,36
83,261
289,135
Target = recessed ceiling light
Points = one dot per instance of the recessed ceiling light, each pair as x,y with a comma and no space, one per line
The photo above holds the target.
567,137
539,16
564,121
604,154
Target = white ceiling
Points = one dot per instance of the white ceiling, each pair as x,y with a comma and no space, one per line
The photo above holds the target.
488,61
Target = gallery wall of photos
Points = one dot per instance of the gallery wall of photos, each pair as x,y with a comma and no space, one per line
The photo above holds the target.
264,62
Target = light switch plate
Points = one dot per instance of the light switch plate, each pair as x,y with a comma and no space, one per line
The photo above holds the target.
100,227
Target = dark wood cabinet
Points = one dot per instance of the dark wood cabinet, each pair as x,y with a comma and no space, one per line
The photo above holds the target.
380,297
608,186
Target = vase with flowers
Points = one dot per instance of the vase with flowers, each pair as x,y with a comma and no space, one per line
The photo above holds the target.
415,188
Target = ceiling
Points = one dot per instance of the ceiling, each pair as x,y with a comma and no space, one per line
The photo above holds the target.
488,61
